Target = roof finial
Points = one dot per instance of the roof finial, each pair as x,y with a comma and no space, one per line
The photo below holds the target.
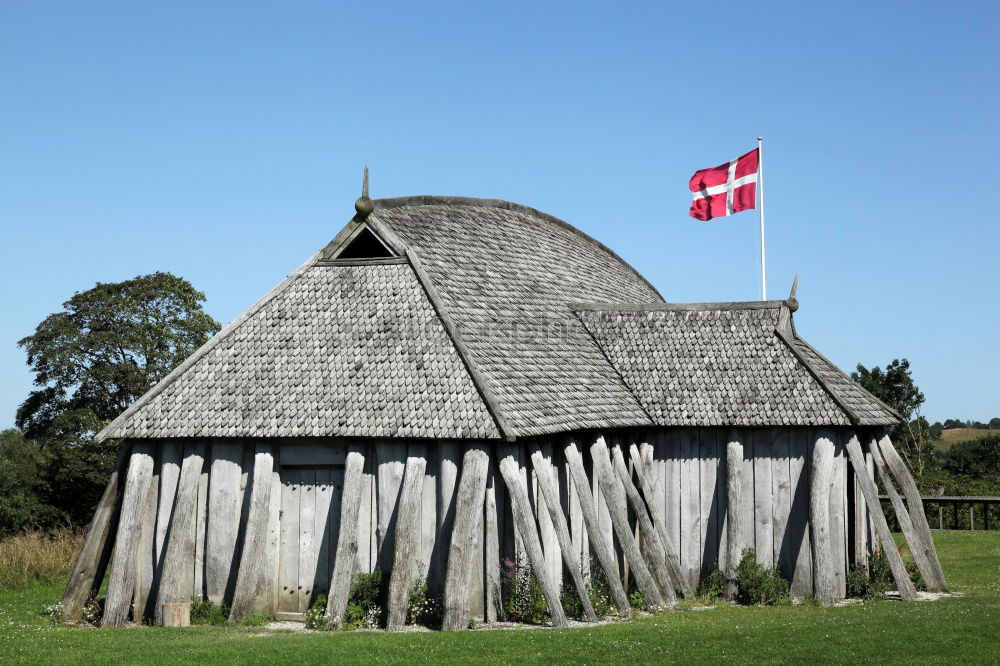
364,205
791,301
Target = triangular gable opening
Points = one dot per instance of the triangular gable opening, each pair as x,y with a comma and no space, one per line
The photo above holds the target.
365,245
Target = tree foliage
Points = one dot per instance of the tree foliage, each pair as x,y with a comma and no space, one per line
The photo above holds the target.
107,347
895,387
23,486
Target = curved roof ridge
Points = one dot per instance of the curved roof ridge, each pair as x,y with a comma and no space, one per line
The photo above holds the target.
436,200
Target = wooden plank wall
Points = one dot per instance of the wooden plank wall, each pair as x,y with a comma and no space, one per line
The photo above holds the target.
689,467
687,470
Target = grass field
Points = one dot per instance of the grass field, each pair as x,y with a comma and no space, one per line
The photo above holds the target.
962,629
953,436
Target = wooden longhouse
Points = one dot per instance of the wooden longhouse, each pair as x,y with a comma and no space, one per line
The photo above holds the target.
451,382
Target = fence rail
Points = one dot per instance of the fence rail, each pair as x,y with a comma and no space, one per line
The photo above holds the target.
989,514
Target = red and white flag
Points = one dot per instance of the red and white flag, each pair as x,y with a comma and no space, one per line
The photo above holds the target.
725,189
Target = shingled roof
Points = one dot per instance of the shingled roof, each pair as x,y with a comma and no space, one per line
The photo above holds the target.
461,326
335,350
727,364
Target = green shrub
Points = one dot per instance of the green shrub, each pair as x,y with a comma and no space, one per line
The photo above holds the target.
756,584
862,585
204,611
315,616
366,600
257,619
637,599
712,587
598,591
916,577
523,598
424,609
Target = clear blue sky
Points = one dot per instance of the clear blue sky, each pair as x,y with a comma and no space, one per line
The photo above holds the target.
223,141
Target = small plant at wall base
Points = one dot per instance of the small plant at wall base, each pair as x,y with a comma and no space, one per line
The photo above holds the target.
204,611
523,598
314,616
424,609
366,600
757,584
880,574
712,587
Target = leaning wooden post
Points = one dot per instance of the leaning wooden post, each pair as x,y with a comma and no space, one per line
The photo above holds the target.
254,556
648,532
736,530
491,555
819,518
906,590
347,539
659,522
462,550
915,504
602,547
521,508
178,558
917,547
407,549
614,495
550,493
83,582
122,576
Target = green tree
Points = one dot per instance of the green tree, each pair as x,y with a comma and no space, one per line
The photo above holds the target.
23,487
108,346
895,387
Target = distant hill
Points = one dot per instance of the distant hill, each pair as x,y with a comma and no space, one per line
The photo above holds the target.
953,436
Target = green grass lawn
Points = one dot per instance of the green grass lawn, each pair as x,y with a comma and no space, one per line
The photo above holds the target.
954,630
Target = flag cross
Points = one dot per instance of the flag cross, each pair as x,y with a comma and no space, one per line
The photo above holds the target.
732,182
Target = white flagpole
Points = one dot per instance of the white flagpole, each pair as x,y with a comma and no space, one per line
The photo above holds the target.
760,210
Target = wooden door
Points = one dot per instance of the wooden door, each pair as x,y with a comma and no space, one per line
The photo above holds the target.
310,523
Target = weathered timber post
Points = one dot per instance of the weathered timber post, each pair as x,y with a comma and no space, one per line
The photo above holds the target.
521,508
819,518
493,598
225,507
614,494
642,469
468,521
88,572
253,559
915,541
906,590
648,532
602,547
736,530
176,580
404,562
122,576
347,540
915,504
550,493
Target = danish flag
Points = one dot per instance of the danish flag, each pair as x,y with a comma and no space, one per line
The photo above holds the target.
725,189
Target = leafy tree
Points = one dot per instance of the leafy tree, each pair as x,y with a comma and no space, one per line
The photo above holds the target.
995,423
108,346
951,424
23,488
895,387
979,459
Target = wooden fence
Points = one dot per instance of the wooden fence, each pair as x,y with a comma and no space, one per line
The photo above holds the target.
982,510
